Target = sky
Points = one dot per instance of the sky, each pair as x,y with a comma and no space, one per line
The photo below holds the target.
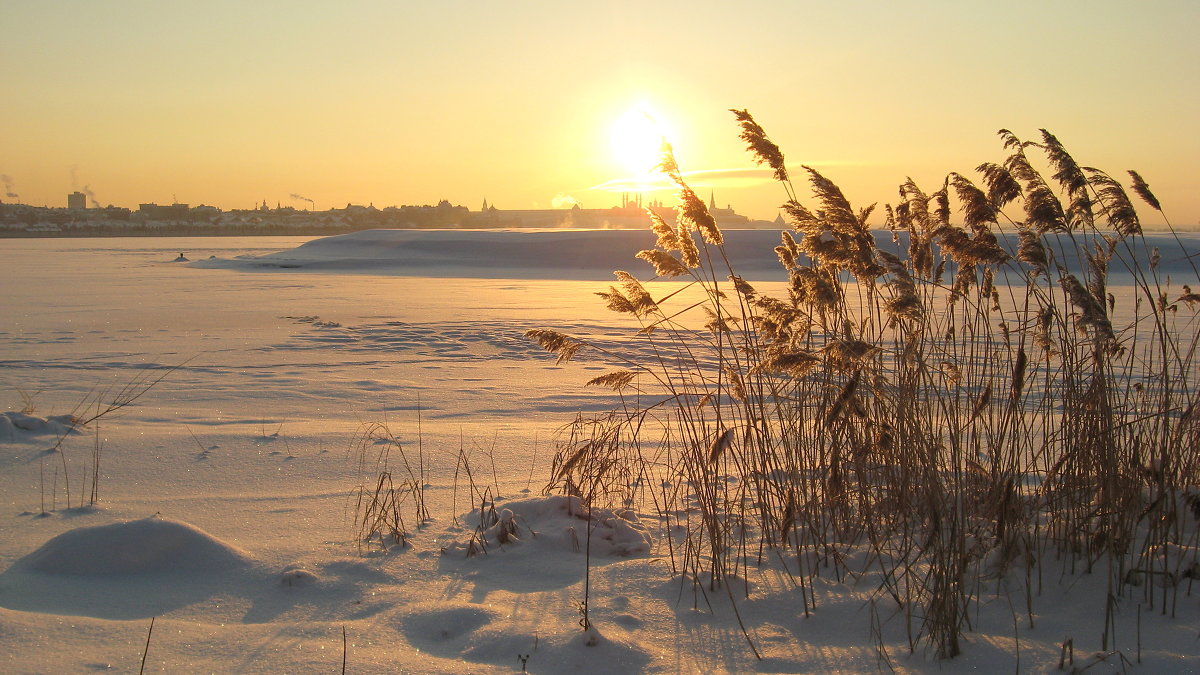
545,104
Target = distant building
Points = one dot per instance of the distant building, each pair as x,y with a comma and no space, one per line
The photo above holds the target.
155,212
76,200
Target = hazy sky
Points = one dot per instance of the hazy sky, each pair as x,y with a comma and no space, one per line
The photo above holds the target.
231,103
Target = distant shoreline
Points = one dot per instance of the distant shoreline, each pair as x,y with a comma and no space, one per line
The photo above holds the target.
314,231
174,232
177,232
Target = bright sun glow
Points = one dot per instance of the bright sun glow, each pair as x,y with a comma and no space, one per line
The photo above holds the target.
636,139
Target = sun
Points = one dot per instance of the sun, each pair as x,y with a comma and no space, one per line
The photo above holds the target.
636,139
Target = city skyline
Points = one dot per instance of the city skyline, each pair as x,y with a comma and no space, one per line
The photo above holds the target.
78,200
538,105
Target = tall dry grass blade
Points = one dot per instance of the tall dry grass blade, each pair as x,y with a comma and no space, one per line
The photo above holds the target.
146,649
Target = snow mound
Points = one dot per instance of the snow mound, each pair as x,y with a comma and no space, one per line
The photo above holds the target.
568,651
298,577
13,424
150,545
478,633
441,628
559,522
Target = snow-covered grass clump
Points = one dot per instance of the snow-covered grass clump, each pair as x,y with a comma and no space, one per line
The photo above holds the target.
559,522
14,424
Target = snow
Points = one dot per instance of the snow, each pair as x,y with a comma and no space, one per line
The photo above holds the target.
13,422
227,492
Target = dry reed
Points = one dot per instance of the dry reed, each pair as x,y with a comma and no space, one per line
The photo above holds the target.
958,409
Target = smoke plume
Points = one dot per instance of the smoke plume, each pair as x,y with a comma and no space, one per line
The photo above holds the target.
8,186
91,196
563,201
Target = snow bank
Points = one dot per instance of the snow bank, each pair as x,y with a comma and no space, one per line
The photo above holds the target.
144,546
582,254
519,254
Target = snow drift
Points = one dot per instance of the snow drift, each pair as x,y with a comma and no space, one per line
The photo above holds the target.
150,545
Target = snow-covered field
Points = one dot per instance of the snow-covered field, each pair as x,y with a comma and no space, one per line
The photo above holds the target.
226,493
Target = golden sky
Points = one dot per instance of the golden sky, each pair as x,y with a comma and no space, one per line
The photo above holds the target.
230,103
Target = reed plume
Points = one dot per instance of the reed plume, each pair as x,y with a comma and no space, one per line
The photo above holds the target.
836,208
905,301
618,379
848,355
1091,311
1117,207
1071,177
668,238
1143,191
637,294
764,150
976,207
1030,250
787,251
694,214
1002,187
665,264
555,342
795,364
982,249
